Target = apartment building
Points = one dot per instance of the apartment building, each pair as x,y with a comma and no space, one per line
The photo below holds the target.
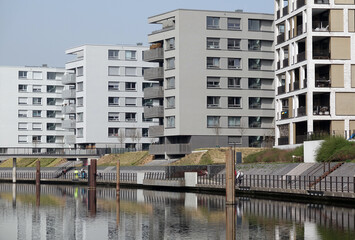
103,97
31,103
315,69
216,80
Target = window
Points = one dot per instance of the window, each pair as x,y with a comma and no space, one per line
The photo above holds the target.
213,102
213,22
37,75
130,132
22,88
50,126
113,101
233,44
22,126
131,71
147,102
113,71
80,133
233,23
234,102
130,86
131,117
170,122
51,114
255,122
213,82
80,86
170,63
254,64
51,101
51,75
22,74
212,62
51,89
22,100
170,102
131,102
36,139
233,82
113,54
80,117
50,139
233,122
80,102
113,86
145,132
234,63
254,25
212,43
234,140
37,88
170,83
130,55
22,113
212,121
146,85
80,71
37,126
113,132
254,83
113,117
255,102
22,139
37,101
170,44
254,45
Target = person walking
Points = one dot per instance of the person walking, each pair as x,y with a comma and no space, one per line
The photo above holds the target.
76,174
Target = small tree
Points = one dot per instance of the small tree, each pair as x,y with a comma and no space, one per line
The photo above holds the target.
138,137
133,137
121,137
217,131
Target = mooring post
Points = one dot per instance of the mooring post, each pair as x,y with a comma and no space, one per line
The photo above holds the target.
118,180
230,222
230,178
38,183
92,187
14,170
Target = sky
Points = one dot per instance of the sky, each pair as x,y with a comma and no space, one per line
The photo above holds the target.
36,32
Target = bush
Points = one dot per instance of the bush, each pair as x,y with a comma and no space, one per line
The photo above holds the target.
335,149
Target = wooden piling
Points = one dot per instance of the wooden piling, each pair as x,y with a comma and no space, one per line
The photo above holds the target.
230,177
14,170
230,222
38,183
118,180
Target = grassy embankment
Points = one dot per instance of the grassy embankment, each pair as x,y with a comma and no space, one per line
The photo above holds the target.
31,162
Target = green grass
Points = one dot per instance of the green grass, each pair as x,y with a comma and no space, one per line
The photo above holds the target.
31,162
336,149
206,159
274,155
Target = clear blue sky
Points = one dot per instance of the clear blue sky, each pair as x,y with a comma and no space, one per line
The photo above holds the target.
33,32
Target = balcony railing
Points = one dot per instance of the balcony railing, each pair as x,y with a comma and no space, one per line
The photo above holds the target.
284,114
285,62
299,30
154,112
156,54
321,110
68,109
301,138
174,149
255,106
283,140
321,1
156,131
321,54
281,90
280,38
320,26
154,73
68,78
68,124
153,92
69,139
301,3
323,83
301,111
296,86
255,125
285,11
68,93
301,56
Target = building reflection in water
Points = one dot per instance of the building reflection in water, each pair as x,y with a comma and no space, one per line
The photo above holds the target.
66,213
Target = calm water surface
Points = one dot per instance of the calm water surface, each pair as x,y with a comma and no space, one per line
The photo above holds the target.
71,212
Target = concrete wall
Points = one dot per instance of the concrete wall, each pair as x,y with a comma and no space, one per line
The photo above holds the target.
310,149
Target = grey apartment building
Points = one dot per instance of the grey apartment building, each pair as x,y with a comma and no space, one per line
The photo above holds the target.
216,80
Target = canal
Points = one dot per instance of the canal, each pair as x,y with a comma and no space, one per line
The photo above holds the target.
71,212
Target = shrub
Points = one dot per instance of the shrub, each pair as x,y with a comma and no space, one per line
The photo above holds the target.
335,149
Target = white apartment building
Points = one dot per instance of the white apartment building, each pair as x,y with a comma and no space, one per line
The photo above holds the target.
103,97
31,103
315,70
216,80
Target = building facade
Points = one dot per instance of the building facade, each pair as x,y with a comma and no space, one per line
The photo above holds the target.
315,69
31,102
103,97
215,75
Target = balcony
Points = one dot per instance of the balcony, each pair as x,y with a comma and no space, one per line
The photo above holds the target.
284,114
323,83
299,30
305,83
172,149
285,62
301,111
153,92
321,110
296,86
301,57
283,141
69,139
154,74
285,11
156,131
154,55
281,90
69,93
280,38
321,54
68,124
320,26
301,138
68,78
68,109
301,3
321,1
154,112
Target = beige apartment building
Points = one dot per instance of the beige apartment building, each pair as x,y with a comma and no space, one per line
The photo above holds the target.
315,69
216,80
